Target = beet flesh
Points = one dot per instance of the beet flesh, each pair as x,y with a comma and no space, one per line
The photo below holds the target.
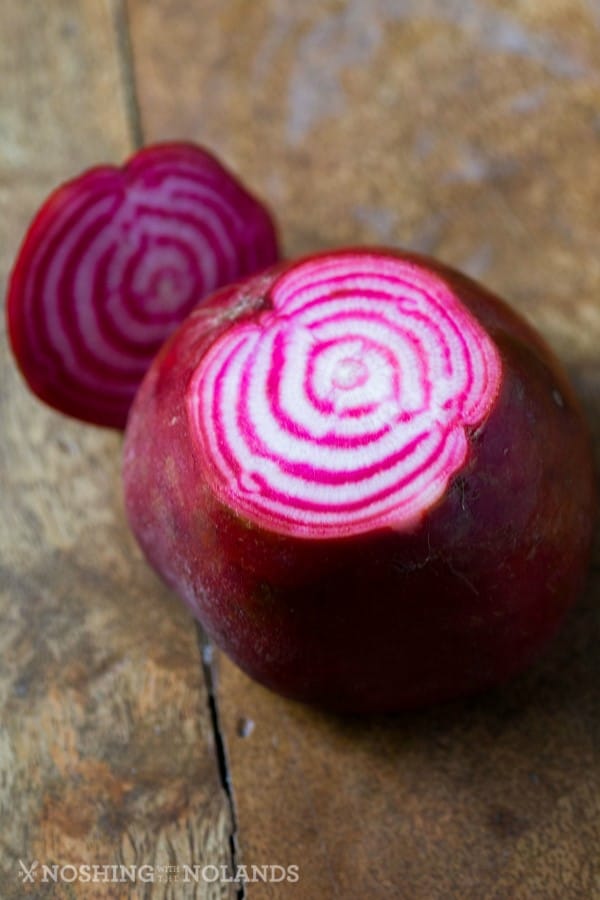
115,260
458,599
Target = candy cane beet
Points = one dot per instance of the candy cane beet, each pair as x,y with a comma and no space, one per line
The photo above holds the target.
114,261
367,477
343,408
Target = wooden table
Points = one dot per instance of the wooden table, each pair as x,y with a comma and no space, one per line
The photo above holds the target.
467,129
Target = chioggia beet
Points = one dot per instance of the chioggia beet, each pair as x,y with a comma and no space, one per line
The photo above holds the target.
367,477
114,260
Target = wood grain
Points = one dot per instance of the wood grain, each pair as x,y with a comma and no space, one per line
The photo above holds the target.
470,131
107,753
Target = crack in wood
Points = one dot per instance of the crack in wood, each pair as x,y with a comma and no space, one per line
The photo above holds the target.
207,657
120,16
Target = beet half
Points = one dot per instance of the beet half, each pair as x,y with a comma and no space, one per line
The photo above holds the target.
367,477
117,258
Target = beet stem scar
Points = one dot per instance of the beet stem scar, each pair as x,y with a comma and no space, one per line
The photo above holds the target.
343,409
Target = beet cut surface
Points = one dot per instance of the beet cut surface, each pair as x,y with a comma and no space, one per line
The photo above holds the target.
114,260
354,591
333,415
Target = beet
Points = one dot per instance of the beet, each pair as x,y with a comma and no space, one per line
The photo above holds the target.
368,478
114,260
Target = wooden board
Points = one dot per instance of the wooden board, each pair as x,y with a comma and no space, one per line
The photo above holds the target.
107,752
471,131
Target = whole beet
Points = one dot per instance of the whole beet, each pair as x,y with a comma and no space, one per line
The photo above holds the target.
455,598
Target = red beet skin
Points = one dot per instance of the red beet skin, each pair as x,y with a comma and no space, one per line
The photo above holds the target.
117,258
367,477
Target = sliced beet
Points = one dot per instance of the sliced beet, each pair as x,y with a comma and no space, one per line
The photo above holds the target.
367,477
114,260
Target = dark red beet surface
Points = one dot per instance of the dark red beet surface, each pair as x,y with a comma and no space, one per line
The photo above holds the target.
386,619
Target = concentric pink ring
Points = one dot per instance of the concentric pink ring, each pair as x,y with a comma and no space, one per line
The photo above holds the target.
294,440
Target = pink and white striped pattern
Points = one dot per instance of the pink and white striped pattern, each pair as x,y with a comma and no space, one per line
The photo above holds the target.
115,260
343,409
